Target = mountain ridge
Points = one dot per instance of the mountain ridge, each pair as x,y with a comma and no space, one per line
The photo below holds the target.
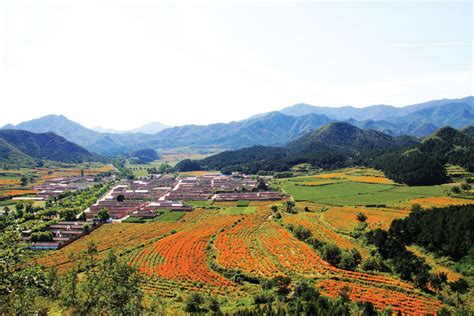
269,129
18,146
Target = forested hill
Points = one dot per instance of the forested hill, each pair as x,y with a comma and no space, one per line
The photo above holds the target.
331,146
22,147
403,159
424,164
344,136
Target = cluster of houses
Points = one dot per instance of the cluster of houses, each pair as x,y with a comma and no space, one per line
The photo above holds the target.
54,187
147,198
251,196
58,235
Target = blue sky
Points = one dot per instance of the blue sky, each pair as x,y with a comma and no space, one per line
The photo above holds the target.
120,66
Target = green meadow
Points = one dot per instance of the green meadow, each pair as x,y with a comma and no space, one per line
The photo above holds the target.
357,193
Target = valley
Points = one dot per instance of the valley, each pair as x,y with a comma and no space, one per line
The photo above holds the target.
229,250
334,218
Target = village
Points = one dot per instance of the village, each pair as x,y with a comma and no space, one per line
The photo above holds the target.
145,198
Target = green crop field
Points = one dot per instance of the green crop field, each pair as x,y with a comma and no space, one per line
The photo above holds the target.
170,216
199,203
353,193
238,210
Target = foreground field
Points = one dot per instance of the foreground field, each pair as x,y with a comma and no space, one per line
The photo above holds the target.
226,252
201,252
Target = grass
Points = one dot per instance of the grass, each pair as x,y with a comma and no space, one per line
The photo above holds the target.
140,170
243,203
353,193
170,216
238,210
199,203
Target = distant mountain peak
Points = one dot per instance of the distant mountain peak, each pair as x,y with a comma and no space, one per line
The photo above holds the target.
150,128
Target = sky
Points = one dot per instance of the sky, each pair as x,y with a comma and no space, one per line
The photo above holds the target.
193,62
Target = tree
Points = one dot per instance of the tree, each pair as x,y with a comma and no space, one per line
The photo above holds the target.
422,277
290,205
302,233
350,259
274,208
262,186
82,217
456,190
24,181
6,210
22,282
460,287
331,253
368,309
282,284
28,206
19,206
214,306
438,280
68,215
103,214
120,198
361,217
195,304
107,286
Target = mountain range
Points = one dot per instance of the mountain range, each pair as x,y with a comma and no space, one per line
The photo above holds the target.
333,143
150,128
270,129
404,159
23,147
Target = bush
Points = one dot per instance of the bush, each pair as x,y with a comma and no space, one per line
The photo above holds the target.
331,253
41,237
350,259
195,304
302,233
456,190
361,217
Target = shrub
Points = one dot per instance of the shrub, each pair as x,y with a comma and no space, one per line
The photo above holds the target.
331,253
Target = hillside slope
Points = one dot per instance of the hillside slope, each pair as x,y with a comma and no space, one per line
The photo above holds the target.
24,147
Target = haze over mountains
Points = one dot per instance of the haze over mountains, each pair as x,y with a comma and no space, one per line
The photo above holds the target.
150,128
271,129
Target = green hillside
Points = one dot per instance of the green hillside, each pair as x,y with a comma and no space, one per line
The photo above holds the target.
22,147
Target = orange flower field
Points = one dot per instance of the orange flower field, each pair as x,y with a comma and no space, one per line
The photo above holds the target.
381,298
109,237
178,258
182,256
15,193
344,218
5,182
320,230
368,176
439,201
